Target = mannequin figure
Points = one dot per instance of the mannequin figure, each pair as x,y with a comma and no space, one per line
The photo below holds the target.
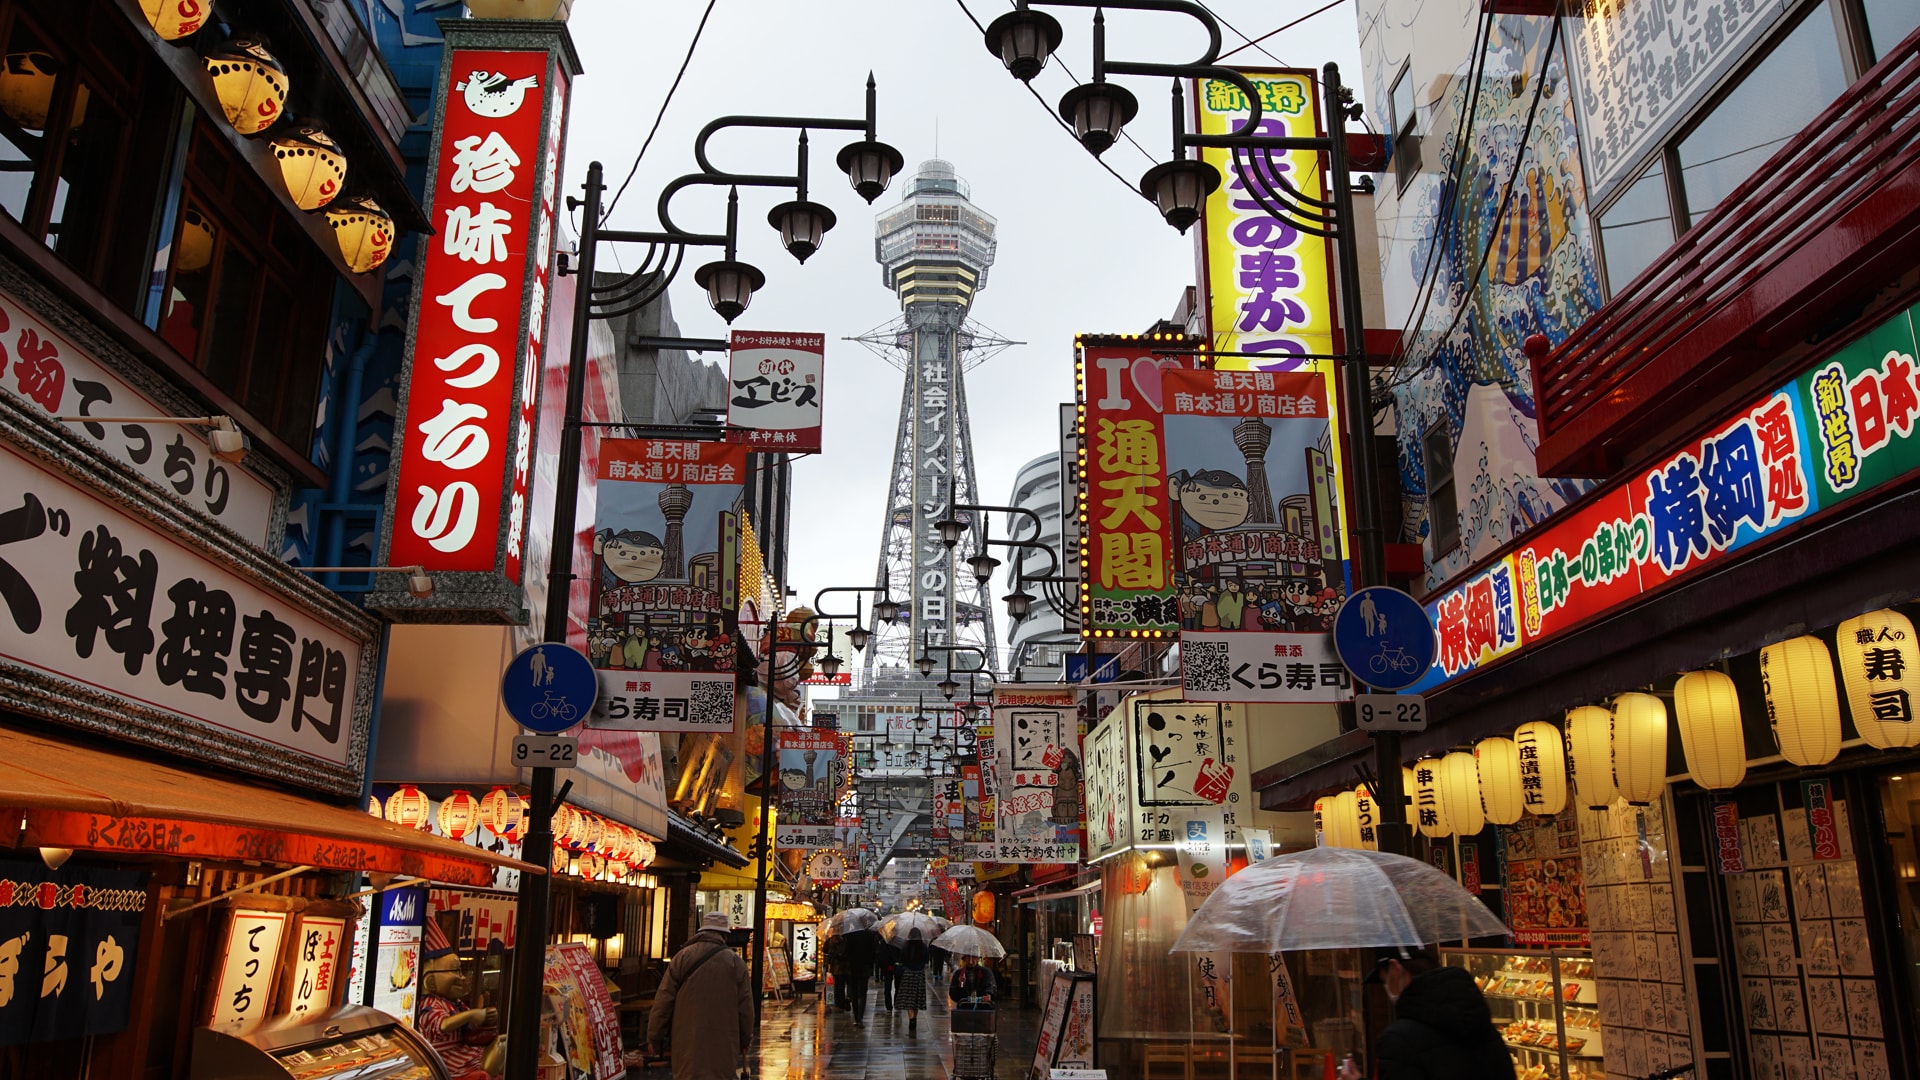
460,1035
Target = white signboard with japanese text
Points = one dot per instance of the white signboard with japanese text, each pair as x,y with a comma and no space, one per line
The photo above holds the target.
1262,667
316,962
773,394
1036,784
251,964
1109,787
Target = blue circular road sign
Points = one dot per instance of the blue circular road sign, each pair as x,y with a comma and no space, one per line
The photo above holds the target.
549,688
1384,637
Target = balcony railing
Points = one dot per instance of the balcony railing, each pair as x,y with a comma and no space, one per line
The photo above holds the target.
1800,247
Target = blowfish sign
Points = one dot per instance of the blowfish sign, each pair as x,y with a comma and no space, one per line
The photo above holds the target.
463,462
773,392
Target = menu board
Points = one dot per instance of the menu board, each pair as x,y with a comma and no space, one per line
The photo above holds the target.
1546,894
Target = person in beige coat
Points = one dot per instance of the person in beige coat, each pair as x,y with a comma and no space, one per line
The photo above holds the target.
705,982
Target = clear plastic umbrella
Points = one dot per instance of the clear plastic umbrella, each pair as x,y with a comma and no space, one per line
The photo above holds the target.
901,927
1336,898
970,941
851,920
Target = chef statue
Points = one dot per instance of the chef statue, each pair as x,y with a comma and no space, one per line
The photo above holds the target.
459,1034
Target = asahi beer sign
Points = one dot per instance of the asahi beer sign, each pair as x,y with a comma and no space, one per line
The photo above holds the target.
773,393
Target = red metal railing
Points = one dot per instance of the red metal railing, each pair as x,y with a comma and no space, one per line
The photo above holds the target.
1830,219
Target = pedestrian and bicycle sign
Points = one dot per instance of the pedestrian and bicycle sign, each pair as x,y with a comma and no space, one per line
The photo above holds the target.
549,688
1385,638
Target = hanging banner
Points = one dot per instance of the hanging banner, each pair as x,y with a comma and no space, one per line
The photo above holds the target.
1268,286
69,940
589,1024
1200,864
773,394
809,775
1037,776
1254,479
660,625
396,956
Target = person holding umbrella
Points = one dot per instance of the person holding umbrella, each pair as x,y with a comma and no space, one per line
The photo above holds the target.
911,994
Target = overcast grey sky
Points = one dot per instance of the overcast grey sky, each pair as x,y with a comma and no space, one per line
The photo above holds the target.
1078,251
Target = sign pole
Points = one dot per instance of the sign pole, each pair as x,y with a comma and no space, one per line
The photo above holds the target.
773,510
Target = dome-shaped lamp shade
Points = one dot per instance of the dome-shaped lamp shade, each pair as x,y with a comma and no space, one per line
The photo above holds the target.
1639,747
870,166
1098,111
458,814
250,83
1707,709
1498,762
1803,703
1179,188
1460,790
802,225
1429,804
175,19
363,231
1543,768
1590,755
26,88
1023,40
1366,819
541,10
730,286
408,807
1877,658
312,164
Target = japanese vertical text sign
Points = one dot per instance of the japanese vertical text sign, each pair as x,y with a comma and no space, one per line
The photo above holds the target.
659,628
773,390
1267,284
463,458
1037,769
1126,539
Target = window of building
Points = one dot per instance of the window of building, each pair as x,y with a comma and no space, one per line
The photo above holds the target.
1405,120
1443,509
1637,227
1890,21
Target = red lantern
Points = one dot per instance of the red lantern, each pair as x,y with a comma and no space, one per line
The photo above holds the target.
458,814
566,823
409,807
501,813
643,853
983,908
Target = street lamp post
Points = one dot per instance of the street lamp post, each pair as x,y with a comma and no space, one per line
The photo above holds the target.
1023,39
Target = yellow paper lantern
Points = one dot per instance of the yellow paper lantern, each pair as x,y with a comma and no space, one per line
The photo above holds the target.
363,232
1429,807
1803,705
543,10
500,812
1707,708
312,165
1877,664
458,813
26,88
1590,755
250,82
1460,791
1543,768
409,807
1343,821
1322,807
175,19
1406,789
1497,761
1639,747
1366,822
194,250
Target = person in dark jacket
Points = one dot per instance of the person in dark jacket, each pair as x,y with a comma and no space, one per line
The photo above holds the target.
889,961
1442,1028
858,952
835,952
706,981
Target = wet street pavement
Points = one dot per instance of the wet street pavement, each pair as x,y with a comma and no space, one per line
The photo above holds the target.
807,1039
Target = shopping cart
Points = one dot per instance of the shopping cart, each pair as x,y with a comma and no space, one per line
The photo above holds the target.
976,1045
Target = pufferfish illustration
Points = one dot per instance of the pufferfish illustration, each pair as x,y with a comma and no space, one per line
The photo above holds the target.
1535,223
493,95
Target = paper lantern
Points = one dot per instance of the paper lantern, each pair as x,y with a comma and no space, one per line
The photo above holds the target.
409,807
194,250
1877,658
1406,789
26,88
1366,822
589,829
1707,708
1590,755
1543,768
1322,806
1497,761
1343,821
562,825
500,812
363,232
312,164
250,82
374,808
458,814
1429,808
1460,791
643,852
175,19
983,903
1639,747
1803,704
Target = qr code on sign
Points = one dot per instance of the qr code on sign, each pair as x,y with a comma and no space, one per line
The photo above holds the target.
1204,665
710,703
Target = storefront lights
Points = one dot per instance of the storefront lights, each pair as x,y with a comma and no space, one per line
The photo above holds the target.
1460,791
1542,740
1877,658
501,813
1365,821
250,83
457,815
312,164
1797,678
1639,747
363,232
175,19
409,807
1497,761
1590,753
1429,805
1336,820
1707,709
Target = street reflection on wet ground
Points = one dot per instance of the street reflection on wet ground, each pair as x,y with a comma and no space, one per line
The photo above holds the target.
808,1039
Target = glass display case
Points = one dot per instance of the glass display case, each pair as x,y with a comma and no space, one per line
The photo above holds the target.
351,1041
1545,1007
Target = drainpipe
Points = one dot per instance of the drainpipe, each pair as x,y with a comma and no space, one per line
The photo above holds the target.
333,542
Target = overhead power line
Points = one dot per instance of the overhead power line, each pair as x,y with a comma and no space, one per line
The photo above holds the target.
662,114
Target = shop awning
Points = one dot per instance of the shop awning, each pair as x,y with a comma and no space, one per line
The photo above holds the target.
685,839
1062,894
72,796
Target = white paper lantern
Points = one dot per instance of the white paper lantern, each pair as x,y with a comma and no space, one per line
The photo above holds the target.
1707,708
1803,705
1429,807
1877,664
1639,747
1497,760
1543,768
1341,826
1366,821
1460,790
1590,755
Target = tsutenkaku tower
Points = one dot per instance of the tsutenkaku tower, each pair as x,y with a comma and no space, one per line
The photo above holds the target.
934,250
